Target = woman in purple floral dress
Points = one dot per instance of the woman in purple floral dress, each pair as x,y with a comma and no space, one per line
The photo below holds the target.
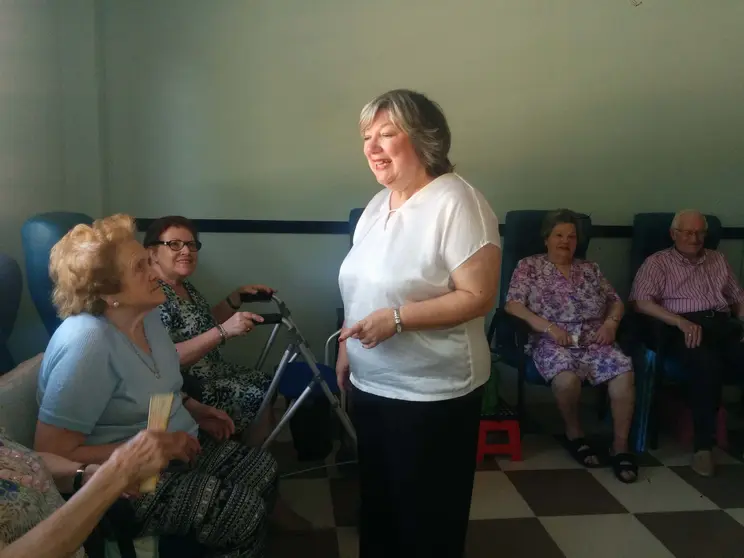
575,312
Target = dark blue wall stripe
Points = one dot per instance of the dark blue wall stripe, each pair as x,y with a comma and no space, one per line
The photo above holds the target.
262,227
342,227
732,233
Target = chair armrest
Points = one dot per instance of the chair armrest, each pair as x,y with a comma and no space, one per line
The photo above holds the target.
508,329
652,332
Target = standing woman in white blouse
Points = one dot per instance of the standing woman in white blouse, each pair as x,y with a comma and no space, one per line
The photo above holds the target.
422,274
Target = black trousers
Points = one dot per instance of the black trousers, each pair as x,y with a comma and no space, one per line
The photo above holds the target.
719,353
416,472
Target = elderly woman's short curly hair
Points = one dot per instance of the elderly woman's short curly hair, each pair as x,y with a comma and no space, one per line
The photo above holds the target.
559,217
423,122
83,265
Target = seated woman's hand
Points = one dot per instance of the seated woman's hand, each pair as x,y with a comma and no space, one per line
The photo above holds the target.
606,334
214,422
234,297
253,289
241,323
185,446
560,336
147,454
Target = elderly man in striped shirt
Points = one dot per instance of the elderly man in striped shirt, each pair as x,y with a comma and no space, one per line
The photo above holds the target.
695,290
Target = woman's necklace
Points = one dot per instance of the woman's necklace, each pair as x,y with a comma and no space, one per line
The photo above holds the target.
154,367
151,367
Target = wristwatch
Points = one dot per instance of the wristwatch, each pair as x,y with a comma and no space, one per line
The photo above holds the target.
77,481
398,323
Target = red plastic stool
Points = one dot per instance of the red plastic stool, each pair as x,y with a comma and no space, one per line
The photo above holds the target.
512,448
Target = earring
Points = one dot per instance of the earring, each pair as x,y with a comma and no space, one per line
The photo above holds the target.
116,304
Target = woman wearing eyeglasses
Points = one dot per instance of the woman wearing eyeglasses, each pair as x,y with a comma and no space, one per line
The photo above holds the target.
199,331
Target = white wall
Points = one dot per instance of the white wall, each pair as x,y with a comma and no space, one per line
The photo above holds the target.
48,127
248,109
215,107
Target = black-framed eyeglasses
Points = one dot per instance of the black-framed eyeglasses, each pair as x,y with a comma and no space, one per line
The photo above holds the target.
177,245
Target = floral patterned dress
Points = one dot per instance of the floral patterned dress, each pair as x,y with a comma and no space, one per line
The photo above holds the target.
578,305
27,492
235,389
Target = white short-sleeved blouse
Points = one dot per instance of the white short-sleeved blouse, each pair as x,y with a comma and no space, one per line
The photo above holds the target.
408,255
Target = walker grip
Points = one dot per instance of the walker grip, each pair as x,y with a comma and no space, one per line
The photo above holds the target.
260,296
270,319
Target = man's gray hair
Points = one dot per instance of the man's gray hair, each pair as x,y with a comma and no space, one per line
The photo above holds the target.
422,120
678,217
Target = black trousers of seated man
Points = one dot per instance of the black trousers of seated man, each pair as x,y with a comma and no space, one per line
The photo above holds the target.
719,355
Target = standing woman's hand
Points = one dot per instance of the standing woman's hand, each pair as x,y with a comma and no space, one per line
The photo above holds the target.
379,326
342,369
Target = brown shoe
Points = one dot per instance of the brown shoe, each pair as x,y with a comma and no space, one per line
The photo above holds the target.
702,463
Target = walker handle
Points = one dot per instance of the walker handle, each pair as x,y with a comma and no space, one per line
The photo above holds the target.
270,319
260,296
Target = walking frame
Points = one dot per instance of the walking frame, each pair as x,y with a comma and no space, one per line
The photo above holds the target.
298,346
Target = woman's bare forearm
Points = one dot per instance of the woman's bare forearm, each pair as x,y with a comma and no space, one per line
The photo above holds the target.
193,350
92,454
65,531
63,470
449,310
70,445
616,311
519,310
221,312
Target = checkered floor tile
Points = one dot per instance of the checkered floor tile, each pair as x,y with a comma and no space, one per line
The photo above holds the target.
548,506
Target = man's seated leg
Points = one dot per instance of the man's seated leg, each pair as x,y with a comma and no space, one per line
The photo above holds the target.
703,368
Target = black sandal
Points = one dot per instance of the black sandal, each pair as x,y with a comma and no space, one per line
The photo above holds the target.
624,463
582,452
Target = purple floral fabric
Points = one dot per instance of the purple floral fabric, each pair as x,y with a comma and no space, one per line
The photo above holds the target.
578,305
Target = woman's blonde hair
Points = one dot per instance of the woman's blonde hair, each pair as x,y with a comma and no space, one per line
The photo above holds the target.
422,120
83,265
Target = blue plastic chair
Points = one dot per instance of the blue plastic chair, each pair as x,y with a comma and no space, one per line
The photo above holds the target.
507,335
11,287
298,376
354,216
650,235
39,234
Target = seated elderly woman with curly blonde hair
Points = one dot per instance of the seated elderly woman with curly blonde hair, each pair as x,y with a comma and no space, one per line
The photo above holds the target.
109,355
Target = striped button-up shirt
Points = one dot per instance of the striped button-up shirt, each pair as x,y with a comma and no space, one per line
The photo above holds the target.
682,286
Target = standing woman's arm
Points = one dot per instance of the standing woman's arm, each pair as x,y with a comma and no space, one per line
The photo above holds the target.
470,250
476,289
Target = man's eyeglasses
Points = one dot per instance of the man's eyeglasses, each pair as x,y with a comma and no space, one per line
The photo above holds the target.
177,245
691,234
